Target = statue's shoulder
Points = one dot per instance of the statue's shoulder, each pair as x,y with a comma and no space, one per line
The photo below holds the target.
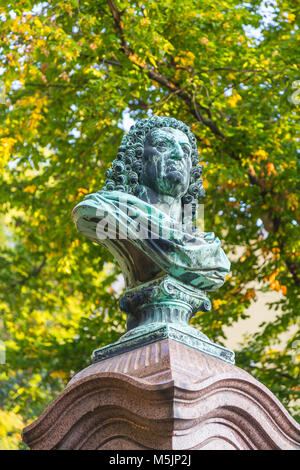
104,200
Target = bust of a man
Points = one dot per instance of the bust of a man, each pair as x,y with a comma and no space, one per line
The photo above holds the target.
145,216
166,167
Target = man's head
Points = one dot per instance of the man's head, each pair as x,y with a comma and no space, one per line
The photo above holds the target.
167,162
160,153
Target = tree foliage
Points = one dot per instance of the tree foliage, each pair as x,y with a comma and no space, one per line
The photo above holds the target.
72,70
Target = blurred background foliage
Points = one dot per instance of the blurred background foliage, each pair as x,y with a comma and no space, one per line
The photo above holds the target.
75,73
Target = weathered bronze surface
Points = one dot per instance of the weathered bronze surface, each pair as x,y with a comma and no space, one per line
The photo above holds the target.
145,216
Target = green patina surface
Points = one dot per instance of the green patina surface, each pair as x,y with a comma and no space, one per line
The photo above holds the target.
145,216
148,334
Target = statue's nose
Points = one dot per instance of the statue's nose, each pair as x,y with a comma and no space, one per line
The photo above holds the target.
177,153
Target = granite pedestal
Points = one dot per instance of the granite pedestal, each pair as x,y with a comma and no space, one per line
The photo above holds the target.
164,395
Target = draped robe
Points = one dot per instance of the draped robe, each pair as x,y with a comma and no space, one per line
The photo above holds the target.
148,243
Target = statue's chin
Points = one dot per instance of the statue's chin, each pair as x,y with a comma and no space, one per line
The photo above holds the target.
174,177
174,184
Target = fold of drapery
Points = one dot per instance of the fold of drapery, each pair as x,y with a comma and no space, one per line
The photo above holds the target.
196,259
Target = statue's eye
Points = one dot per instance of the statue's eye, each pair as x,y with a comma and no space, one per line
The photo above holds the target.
161,146
186,149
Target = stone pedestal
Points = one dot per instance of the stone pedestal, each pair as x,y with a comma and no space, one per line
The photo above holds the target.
164,395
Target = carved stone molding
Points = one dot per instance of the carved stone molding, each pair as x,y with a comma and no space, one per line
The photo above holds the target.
164,395
151,332
163,300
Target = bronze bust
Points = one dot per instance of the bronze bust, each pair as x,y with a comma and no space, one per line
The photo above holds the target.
145,216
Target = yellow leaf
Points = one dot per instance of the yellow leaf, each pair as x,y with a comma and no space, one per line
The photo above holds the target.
284,290
30,189
234,99
145,22
205,184
271,169
82,190
152,61
261,154
217,303
60,374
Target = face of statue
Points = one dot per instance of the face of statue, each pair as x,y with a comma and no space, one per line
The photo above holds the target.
167,162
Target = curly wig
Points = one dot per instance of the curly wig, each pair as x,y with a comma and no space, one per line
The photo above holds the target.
125,171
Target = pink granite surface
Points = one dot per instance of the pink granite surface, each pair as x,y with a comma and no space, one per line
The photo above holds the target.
164,396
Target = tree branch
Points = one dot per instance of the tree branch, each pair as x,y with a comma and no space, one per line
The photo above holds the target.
163,80
33,273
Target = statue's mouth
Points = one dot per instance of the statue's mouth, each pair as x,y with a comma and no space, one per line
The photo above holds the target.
175,172
176,166
174,176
